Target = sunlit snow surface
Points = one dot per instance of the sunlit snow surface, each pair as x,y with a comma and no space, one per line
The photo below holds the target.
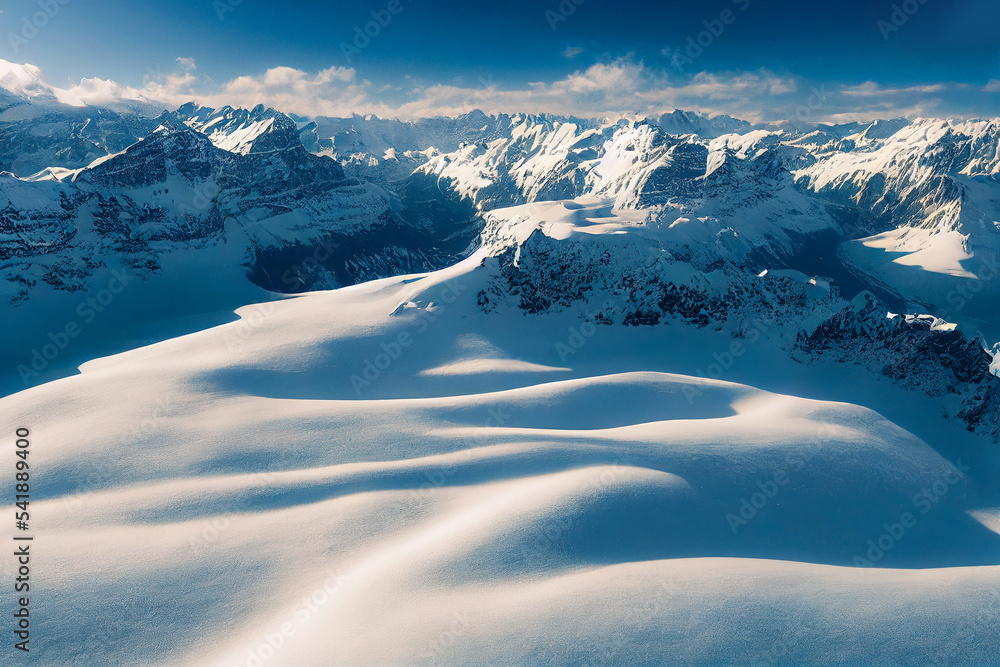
385,474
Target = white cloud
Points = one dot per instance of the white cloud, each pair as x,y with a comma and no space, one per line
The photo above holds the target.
329,92
602,89
866,89
993,86
613,88
872,89
572,51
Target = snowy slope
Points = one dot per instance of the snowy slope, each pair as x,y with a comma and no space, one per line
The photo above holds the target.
917,199
905,209
691,401
652,268
932,193
192,222
390,455
916,202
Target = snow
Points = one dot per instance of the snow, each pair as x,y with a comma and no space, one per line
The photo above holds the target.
26,81
388,474
929,250
941,269
241,140
487,504
742,144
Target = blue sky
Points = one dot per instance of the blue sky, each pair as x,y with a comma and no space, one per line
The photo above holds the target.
441,55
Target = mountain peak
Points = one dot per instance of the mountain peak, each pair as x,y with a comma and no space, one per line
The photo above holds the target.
24,80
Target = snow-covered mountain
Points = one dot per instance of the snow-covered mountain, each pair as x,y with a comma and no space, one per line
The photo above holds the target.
852,206
524,389
931,192
706,126
235,198
44,126
904,209
641,268
511,481
916,202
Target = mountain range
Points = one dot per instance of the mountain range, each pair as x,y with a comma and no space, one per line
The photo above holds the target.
503,389
904,211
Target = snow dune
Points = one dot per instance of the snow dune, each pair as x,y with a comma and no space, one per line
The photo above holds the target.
383,475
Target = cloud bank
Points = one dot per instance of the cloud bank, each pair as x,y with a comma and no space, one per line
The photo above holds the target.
603,89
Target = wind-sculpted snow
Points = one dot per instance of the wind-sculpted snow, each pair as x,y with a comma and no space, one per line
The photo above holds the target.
386,474
674,390
644,268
